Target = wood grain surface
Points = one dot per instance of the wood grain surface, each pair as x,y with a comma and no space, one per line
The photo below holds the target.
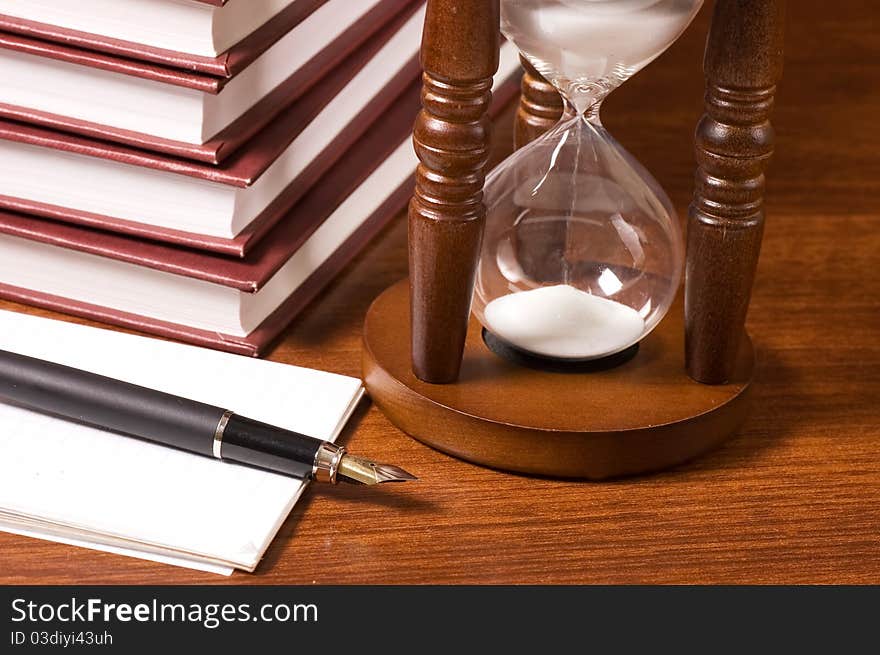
795,498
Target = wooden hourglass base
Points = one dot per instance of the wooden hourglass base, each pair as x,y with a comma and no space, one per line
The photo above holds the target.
643,415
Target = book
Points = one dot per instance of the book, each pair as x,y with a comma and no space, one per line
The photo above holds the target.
183,112
194,27
240,305
68,482
225,208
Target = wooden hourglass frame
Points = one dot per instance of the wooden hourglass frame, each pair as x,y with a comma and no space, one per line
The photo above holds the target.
425,363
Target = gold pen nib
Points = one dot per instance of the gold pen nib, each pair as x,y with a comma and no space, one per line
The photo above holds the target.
358,469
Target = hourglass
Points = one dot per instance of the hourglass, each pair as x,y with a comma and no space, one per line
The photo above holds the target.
543,329
582,251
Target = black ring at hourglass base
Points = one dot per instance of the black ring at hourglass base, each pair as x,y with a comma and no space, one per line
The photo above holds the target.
555,364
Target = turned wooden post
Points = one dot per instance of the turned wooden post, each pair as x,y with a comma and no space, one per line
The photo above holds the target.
459,54
734,142
540,106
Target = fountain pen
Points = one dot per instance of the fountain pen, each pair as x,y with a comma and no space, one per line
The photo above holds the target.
180,423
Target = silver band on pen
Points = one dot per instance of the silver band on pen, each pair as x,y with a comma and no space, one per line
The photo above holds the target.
218,434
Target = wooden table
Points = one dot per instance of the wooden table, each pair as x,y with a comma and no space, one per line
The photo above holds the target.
795,498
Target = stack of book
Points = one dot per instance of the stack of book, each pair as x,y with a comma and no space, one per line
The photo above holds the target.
200,169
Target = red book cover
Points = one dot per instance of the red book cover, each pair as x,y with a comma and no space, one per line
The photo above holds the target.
241,169
225,65
184,74
252,272
257,342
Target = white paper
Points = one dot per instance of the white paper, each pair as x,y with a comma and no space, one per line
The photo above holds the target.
126,495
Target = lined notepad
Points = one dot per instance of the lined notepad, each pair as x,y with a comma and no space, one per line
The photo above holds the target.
83,486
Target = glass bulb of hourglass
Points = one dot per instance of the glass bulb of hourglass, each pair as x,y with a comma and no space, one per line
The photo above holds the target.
582,253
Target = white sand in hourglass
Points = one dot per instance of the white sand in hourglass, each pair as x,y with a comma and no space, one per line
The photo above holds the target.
564,322
577,43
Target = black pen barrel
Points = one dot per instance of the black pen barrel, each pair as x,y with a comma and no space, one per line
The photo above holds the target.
265,446
108,403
